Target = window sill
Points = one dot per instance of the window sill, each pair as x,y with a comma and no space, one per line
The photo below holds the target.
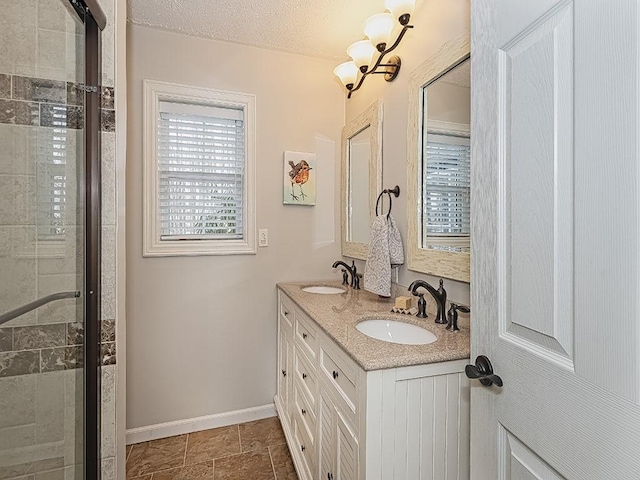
194,248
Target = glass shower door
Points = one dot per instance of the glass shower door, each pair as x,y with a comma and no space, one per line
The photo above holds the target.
42,240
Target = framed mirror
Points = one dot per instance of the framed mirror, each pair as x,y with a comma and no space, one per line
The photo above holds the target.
439,163
361,179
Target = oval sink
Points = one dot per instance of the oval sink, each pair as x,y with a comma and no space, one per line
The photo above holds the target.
396,332
323,290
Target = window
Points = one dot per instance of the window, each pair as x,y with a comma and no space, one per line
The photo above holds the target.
447,190
199,171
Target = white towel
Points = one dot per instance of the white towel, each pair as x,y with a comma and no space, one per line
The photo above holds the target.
385,252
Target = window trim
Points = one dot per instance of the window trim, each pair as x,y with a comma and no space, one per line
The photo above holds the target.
153,246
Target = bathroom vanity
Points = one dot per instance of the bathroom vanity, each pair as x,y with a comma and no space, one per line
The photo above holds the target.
353,407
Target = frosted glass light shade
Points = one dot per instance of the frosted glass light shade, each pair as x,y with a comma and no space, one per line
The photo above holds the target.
399,8
347,72
378,28
362,53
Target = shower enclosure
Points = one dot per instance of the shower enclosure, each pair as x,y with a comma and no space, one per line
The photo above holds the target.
50,240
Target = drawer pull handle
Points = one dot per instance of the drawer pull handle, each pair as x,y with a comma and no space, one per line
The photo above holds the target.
304,375
303,411
335,375
304,335
329,476
284,373
302,447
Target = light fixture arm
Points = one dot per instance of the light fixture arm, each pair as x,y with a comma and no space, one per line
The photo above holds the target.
394,66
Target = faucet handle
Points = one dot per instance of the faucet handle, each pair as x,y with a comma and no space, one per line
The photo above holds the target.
452,315
422,306
345,277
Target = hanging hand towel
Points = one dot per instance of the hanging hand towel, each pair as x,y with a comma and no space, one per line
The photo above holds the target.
385,251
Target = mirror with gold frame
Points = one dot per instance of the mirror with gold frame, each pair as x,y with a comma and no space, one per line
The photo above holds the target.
439,162
361,179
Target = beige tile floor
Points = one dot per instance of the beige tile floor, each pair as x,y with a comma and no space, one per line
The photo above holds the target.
249,451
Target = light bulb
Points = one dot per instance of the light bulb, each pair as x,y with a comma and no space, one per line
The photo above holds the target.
362,53
347,72
400,9
378,28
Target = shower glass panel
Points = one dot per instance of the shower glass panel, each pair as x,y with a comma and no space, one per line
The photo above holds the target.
42,240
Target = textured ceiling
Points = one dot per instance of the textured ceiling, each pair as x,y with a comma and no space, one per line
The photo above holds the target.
322,28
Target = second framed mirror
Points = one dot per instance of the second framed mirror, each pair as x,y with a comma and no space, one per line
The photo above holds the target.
439,164
361,179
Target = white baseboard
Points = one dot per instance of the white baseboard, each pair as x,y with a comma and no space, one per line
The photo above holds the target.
189,425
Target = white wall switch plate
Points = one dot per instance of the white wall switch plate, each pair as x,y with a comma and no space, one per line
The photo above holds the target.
263,237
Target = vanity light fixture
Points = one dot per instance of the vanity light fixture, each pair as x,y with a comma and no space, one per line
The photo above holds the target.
378,29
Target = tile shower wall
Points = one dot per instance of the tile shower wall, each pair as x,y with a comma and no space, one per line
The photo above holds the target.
41,113
48,339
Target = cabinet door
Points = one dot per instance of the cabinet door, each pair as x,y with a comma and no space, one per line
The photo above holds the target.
346,451
285,346
326,424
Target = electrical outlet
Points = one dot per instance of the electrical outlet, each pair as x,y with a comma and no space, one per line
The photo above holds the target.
263,237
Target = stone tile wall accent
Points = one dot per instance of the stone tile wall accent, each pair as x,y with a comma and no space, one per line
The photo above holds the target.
48,348
50,103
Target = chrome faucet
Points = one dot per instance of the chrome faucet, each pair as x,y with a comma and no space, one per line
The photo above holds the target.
439,295
353,271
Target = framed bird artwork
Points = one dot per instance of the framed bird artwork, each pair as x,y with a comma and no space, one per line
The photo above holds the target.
299,178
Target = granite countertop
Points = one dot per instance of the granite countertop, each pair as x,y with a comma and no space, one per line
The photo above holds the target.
338,315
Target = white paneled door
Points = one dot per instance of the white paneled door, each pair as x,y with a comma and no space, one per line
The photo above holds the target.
556,241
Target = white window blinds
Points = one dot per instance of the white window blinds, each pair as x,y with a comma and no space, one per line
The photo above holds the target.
52,183
201,165
446,180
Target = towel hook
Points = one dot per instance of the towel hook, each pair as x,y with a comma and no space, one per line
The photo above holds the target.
396,193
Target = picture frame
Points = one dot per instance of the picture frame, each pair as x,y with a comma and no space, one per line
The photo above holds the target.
299,179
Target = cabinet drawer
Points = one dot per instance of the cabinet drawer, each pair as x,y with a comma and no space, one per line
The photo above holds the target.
302,406
286,312
341,373
306,335
305,376
305,447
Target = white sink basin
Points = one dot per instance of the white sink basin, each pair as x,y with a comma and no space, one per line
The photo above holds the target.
396,332
321,289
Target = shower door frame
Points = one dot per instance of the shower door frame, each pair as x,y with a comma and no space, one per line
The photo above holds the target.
94,23
93,248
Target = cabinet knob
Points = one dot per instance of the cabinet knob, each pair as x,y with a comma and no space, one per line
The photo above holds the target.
286,313
335,375
284,373
304,335
304,375
303,411
302,447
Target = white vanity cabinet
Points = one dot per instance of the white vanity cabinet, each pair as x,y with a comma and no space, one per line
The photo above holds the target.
344,423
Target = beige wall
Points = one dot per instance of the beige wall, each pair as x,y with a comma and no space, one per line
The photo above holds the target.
435,21
201,331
